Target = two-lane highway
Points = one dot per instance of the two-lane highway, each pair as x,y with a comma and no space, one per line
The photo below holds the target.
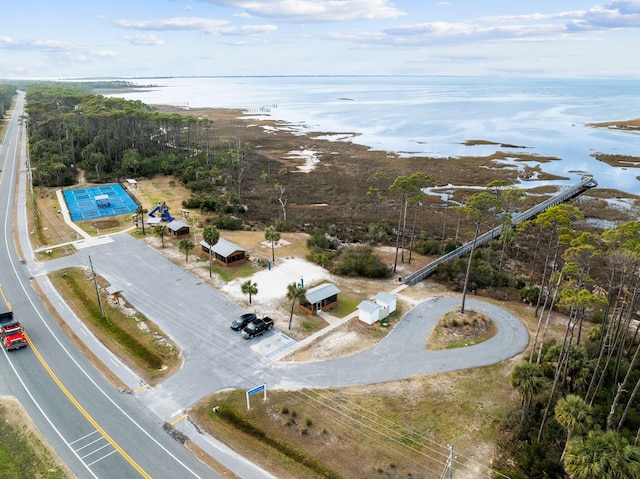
97,430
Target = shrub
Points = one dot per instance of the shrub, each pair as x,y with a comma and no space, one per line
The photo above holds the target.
192,203
322,258
360,261
529,293
284,226
318,240
428,247
227,222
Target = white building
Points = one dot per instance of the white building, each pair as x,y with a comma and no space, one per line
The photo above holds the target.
373,311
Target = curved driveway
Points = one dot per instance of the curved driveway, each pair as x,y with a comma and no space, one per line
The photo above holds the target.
402,353
197,316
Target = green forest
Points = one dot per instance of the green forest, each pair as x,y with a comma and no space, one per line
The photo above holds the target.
110,139
579,414
7,92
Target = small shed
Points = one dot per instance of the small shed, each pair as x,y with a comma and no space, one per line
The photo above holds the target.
178,229
373,311
115,292
369,312
224,252
321,298
153,221
387,301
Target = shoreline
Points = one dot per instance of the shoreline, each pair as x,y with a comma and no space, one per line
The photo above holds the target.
343,173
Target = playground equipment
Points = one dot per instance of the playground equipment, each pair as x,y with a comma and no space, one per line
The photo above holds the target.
163,211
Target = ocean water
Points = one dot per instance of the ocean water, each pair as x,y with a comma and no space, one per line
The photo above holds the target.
434,116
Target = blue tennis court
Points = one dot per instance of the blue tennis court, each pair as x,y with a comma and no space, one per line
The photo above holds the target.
98,201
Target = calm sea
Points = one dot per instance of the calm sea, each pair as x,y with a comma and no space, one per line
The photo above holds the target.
434,116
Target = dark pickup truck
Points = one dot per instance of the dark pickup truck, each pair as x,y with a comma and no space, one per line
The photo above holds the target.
257,327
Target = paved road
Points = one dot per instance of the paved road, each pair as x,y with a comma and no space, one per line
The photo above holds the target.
402,354
197,316
98,431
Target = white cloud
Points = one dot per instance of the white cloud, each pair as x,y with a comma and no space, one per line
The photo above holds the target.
532,27
176,23
315,11
143,40
207,25
616,14
37,44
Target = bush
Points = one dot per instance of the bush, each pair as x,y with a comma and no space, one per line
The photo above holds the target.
321,258
428,247
449,247
227,222
285,226
318,240
360,261
192,203
529,293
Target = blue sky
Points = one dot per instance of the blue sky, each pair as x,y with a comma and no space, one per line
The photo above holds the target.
142,38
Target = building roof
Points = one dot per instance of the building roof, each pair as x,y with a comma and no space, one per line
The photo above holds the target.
175,225
368,306
223,247
321,292
385,298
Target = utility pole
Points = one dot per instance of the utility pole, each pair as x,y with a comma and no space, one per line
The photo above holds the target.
95,283
450,461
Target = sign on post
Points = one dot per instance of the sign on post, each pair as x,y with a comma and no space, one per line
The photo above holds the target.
256,390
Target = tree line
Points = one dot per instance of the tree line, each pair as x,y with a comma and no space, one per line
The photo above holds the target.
109,139
7,92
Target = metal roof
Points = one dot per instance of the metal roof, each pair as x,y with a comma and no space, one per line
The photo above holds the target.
175,225
223,247
368,306
385,298
321,292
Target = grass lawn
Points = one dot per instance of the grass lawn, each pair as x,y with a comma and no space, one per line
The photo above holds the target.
23,451
131,337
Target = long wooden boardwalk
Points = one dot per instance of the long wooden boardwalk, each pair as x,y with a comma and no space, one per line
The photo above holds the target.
564,195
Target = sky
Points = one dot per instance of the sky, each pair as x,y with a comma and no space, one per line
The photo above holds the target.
151,38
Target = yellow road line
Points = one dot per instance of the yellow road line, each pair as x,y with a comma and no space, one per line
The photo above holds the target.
141,388
79,407
176,421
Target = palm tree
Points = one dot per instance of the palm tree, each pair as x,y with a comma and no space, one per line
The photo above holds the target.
295,292
573,414
528,380
601,455
141,211
249,287
161,231
270,234
186,245
211,236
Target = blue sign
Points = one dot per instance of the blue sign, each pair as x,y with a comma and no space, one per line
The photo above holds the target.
253,391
